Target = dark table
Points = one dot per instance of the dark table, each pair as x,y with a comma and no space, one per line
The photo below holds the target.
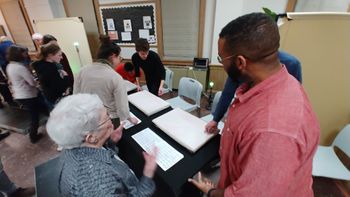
172,182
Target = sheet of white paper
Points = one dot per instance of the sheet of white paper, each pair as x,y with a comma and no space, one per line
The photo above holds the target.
147,23
144,33
147,102
128,124
127,25
167,155
126,36
110,24
152,39
129,86
185,128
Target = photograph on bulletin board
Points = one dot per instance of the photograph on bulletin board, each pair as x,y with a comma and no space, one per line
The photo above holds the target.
126,23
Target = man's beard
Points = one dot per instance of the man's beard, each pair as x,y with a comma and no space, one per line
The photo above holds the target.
233,72
236,75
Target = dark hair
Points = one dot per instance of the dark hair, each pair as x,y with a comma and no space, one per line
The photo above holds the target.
107,48
128,67
47,49
48,38
141,44
15,53
254,36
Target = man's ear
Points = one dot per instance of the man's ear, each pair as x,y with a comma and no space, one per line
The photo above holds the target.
241,62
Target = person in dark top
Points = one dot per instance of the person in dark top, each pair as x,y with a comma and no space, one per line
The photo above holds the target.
5,43
54,82
152,66
47,38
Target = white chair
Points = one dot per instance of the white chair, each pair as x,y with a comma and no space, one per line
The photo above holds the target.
191,89
209,117
326,163
168,82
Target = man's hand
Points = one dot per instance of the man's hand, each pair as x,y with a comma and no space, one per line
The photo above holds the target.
133,120
160,92
150,163
212,127
117,134
202,183
139,88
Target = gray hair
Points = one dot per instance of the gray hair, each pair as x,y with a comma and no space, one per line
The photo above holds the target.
73,118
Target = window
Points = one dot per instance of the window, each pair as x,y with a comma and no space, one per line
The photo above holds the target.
180,22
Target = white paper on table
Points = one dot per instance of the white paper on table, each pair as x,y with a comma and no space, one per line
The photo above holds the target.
185,128
147,102
127,25
167,156
126,36
147,23
129,86
144,33
110,24
128,124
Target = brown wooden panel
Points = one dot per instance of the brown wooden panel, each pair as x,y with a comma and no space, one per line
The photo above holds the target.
218,75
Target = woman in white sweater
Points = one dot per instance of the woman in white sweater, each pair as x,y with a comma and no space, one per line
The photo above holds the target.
23,87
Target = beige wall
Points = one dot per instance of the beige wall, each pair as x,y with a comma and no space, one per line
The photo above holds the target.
321,42
85,9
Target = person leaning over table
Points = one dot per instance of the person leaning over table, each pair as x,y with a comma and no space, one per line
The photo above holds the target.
271,132
101,79
81,125
153,68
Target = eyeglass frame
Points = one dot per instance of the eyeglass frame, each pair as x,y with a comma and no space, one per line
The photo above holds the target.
220,60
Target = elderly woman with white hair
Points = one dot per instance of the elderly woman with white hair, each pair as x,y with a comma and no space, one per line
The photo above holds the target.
81,125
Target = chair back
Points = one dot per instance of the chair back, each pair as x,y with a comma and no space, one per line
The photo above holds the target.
169,79
215,101
342,140
191,89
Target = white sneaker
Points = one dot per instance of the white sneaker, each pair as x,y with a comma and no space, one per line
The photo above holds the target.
59,148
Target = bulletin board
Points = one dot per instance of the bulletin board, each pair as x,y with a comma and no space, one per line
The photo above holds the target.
126,23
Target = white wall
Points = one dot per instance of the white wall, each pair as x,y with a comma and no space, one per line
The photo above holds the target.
38,10
227,10
322,6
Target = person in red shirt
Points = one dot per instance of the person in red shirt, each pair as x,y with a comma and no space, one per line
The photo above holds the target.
271,132
127,71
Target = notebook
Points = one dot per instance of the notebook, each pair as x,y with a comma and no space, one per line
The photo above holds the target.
148,103
128,124
185,128
167,155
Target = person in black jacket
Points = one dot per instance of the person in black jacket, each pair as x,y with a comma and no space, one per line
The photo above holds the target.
47,38
151,65
53,79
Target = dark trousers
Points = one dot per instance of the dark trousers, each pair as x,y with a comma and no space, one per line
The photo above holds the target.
153,87
34,105
5,92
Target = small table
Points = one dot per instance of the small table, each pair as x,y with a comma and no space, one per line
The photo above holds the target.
173,181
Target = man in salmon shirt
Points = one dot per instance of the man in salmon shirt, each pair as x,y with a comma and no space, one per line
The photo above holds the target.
271,132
